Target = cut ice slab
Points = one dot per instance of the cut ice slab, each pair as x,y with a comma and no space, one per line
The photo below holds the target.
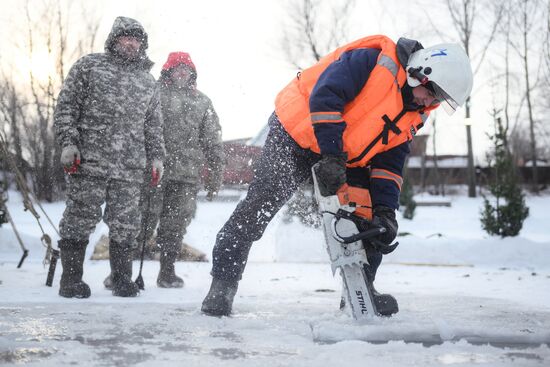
431,321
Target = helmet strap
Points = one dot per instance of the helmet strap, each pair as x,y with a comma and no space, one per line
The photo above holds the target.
418,75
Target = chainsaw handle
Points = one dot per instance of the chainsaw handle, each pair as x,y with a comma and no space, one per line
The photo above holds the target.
368,234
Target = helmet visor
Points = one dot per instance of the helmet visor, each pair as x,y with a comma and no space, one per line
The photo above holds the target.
448,103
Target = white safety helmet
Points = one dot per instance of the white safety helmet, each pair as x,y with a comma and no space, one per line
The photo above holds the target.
444,69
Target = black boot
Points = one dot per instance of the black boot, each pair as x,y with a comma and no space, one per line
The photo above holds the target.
108,282
167,277
386,304
219,300
72,260
120,257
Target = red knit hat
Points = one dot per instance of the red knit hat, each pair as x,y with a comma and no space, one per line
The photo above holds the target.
177,58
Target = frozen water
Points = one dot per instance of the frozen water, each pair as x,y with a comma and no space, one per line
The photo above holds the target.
465,299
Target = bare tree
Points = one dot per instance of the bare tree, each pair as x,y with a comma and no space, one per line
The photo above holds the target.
505,83
520,147
86,44
438,183
545,88
315,28
29,110
42,151
11,103
475,24
465,14
547,39
528,24
506,31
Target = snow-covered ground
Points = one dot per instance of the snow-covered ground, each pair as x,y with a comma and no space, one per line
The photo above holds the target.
465,299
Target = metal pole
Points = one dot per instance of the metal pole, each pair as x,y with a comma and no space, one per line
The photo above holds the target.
139,280
471,171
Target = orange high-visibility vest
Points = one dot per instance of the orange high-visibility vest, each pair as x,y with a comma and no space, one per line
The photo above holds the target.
375,119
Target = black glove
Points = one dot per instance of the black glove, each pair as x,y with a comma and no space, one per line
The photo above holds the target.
385,217
331,173
212,185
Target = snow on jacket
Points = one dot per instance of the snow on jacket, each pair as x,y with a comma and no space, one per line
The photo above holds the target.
192,131
109,108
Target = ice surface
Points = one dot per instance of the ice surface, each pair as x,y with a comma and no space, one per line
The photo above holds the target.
465,299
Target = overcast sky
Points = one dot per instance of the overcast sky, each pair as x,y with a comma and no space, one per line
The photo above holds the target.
236,48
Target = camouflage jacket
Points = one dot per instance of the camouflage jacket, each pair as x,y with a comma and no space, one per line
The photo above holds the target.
110,109
192,134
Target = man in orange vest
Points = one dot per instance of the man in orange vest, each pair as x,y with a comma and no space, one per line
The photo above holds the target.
355,113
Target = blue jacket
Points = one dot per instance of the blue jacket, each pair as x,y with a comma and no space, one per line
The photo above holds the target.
338,85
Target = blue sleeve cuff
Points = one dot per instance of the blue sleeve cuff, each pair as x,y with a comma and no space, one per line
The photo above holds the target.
329,137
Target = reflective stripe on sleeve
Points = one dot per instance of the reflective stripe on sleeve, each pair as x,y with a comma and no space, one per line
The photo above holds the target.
331,117
389,64
387,175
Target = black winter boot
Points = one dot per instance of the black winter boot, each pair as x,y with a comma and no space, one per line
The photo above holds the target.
108,282
167,277
219,300
120,258
385,304
72,260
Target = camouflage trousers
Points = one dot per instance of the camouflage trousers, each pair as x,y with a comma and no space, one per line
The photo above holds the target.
171,206
86,195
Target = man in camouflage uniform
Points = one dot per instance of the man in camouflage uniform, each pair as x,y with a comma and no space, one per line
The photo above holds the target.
192,135
108,121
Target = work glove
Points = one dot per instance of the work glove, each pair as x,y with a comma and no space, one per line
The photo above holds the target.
331,173
212,186
385,217
156,172
211,194
70,158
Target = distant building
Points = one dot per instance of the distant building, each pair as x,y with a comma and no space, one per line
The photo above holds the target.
422,169
240,157
540,163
